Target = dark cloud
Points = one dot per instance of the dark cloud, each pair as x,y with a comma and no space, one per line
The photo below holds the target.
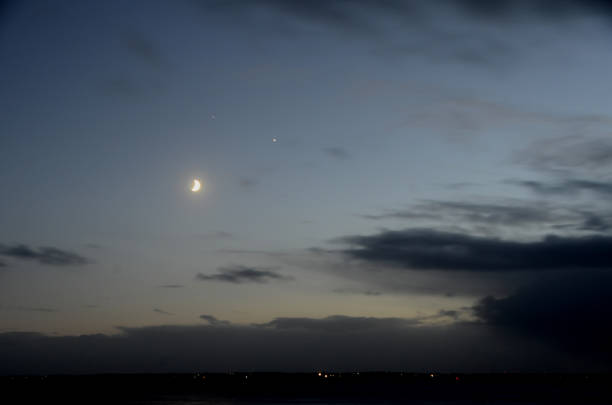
243,274
594,222
339,323
214,321
572,310
423,249
337,153
44,255
161,311
285,344
551,9
171,286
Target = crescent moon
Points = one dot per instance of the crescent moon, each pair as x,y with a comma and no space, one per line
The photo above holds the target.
196,185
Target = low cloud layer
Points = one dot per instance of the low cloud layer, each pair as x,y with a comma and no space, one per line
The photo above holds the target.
243,274
285,344
43,255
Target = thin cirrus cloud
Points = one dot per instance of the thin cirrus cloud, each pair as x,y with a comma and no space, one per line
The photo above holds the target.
490,42
216,235
354,291
568,187
243,274
503,215
361,15
426,249
161,311
43,255
30,309
491,213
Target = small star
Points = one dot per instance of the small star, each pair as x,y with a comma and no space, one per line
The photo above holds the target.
274,139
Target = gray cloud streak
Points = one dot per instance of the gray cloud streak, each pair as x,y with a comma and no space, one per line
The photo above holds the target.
44,255
243,274
337,153
161,311
213,321
568,187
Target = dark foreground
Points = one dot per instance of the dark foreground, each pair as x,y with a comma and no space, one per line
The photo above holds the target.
342,388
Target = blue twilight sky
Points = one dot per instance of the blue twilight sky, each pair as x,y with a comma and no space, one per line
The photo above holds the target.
425,153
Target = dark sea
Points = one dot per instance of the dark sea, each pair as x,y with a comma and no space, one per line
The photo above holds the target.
306,389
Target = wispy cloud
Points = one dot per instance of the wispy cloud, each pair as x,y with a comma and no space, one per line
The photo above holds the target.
506,215
213,321
337,153
570,153
356,291
568,187
243,274
248,183
144,48
29,309
44,255
215,235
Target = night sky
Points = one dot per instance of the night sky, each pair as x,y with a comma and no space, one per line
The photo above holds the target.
387,185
